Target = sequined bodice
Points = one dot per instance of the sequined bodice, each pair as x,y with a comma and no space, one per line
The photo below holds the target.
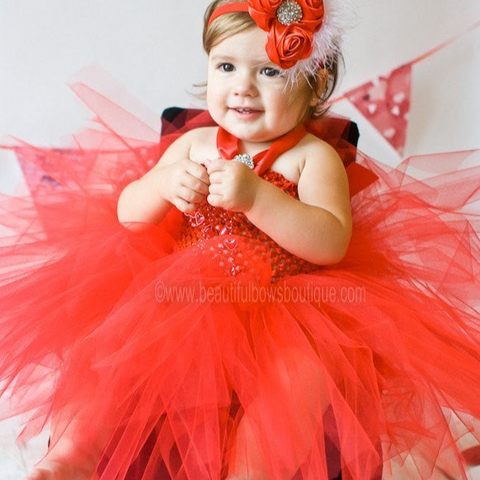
208,222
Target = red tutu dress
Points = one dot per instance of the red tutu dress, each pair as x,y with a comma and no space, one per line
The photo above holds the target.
171,342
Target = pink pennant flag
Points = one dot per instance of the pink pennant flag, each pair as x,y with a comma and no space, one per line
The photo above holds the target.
385,102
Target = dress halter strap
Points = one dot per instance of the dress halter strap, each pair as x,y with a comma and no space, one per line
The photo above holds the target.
227,146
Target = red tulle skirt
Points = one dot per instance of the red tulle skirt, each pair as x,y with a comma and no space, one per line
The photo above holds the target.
180,371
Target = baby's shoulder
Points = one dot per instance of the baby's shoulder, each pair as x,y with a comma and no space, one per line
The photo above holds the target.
191,144
309,152
200,134
319,154
195,135
320,160
323,173
315,148
203,141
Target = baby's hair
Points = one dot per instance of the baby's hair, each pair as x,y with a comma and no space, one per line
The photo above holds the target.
334,67
230,24
224,26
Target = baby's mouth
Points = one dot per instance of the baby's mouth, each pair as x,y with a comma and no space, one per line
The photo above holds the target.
247,113
246,110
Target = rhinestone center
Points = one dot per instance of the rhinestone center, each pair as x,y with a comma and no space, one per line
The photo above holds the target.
289,12
245,159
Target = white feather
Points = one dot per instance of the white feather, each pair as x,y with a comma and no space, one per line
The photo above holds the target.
326,42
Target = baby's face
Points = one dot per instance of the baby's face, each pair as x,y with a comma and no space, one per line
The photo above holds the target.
248,95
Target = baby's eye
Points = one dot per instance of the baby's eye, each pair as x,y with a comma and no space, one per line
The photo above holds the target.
271,72
226,67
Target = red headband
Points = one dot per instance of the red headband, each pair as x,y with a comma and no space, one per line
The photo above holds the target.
291,25
228,8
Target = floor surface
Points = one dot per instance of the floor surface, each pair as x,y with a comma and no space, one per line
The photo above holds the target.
16,462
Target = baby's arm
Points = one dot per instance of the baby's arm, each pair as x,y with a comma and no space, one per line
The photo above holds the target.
318,227
175,180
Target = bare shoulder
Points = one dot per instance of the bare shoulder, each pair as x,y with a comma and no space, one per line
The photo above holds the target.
323,174
187,144
201,133
204,144
195,136
321,161
318,153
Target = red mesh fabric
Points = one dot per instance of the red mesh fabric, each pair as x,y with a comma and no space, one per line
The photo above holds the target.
164,359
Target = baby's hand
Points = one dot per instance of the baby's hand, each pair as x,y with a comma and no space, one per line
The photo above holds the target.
185,184
232,185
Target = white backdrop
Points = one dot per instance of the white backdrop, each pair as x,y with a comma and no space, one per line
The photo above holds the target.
153,47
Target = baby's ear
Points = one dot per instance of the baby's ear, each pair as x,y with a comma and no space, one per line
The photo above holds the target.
320,85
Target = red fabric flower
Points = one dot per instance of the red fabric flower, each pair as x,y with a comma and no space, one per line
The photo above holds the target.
264,12
313,13
287,44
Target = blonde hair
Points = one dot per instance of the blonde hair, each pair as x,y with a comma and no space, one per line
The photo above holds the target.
230,24
224,26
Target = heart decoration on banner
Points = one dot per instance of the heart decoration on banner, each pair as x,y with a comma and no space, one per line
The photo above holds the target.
385,102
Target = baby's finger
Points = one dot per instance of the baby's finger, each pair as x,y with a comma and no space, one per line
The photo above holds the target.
198,171
196,184
217,177
216,189
190,195
215,200
184,206
216,165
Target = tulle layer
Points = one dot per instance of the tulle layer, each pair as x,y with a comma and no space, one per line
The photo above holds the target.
177,370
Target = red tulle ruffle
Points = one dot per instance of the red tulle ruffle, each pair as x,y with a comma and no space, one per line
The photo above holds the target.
167,362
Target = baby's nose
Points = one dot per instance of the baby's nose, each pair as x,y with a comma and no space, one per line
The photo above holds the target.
246,85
